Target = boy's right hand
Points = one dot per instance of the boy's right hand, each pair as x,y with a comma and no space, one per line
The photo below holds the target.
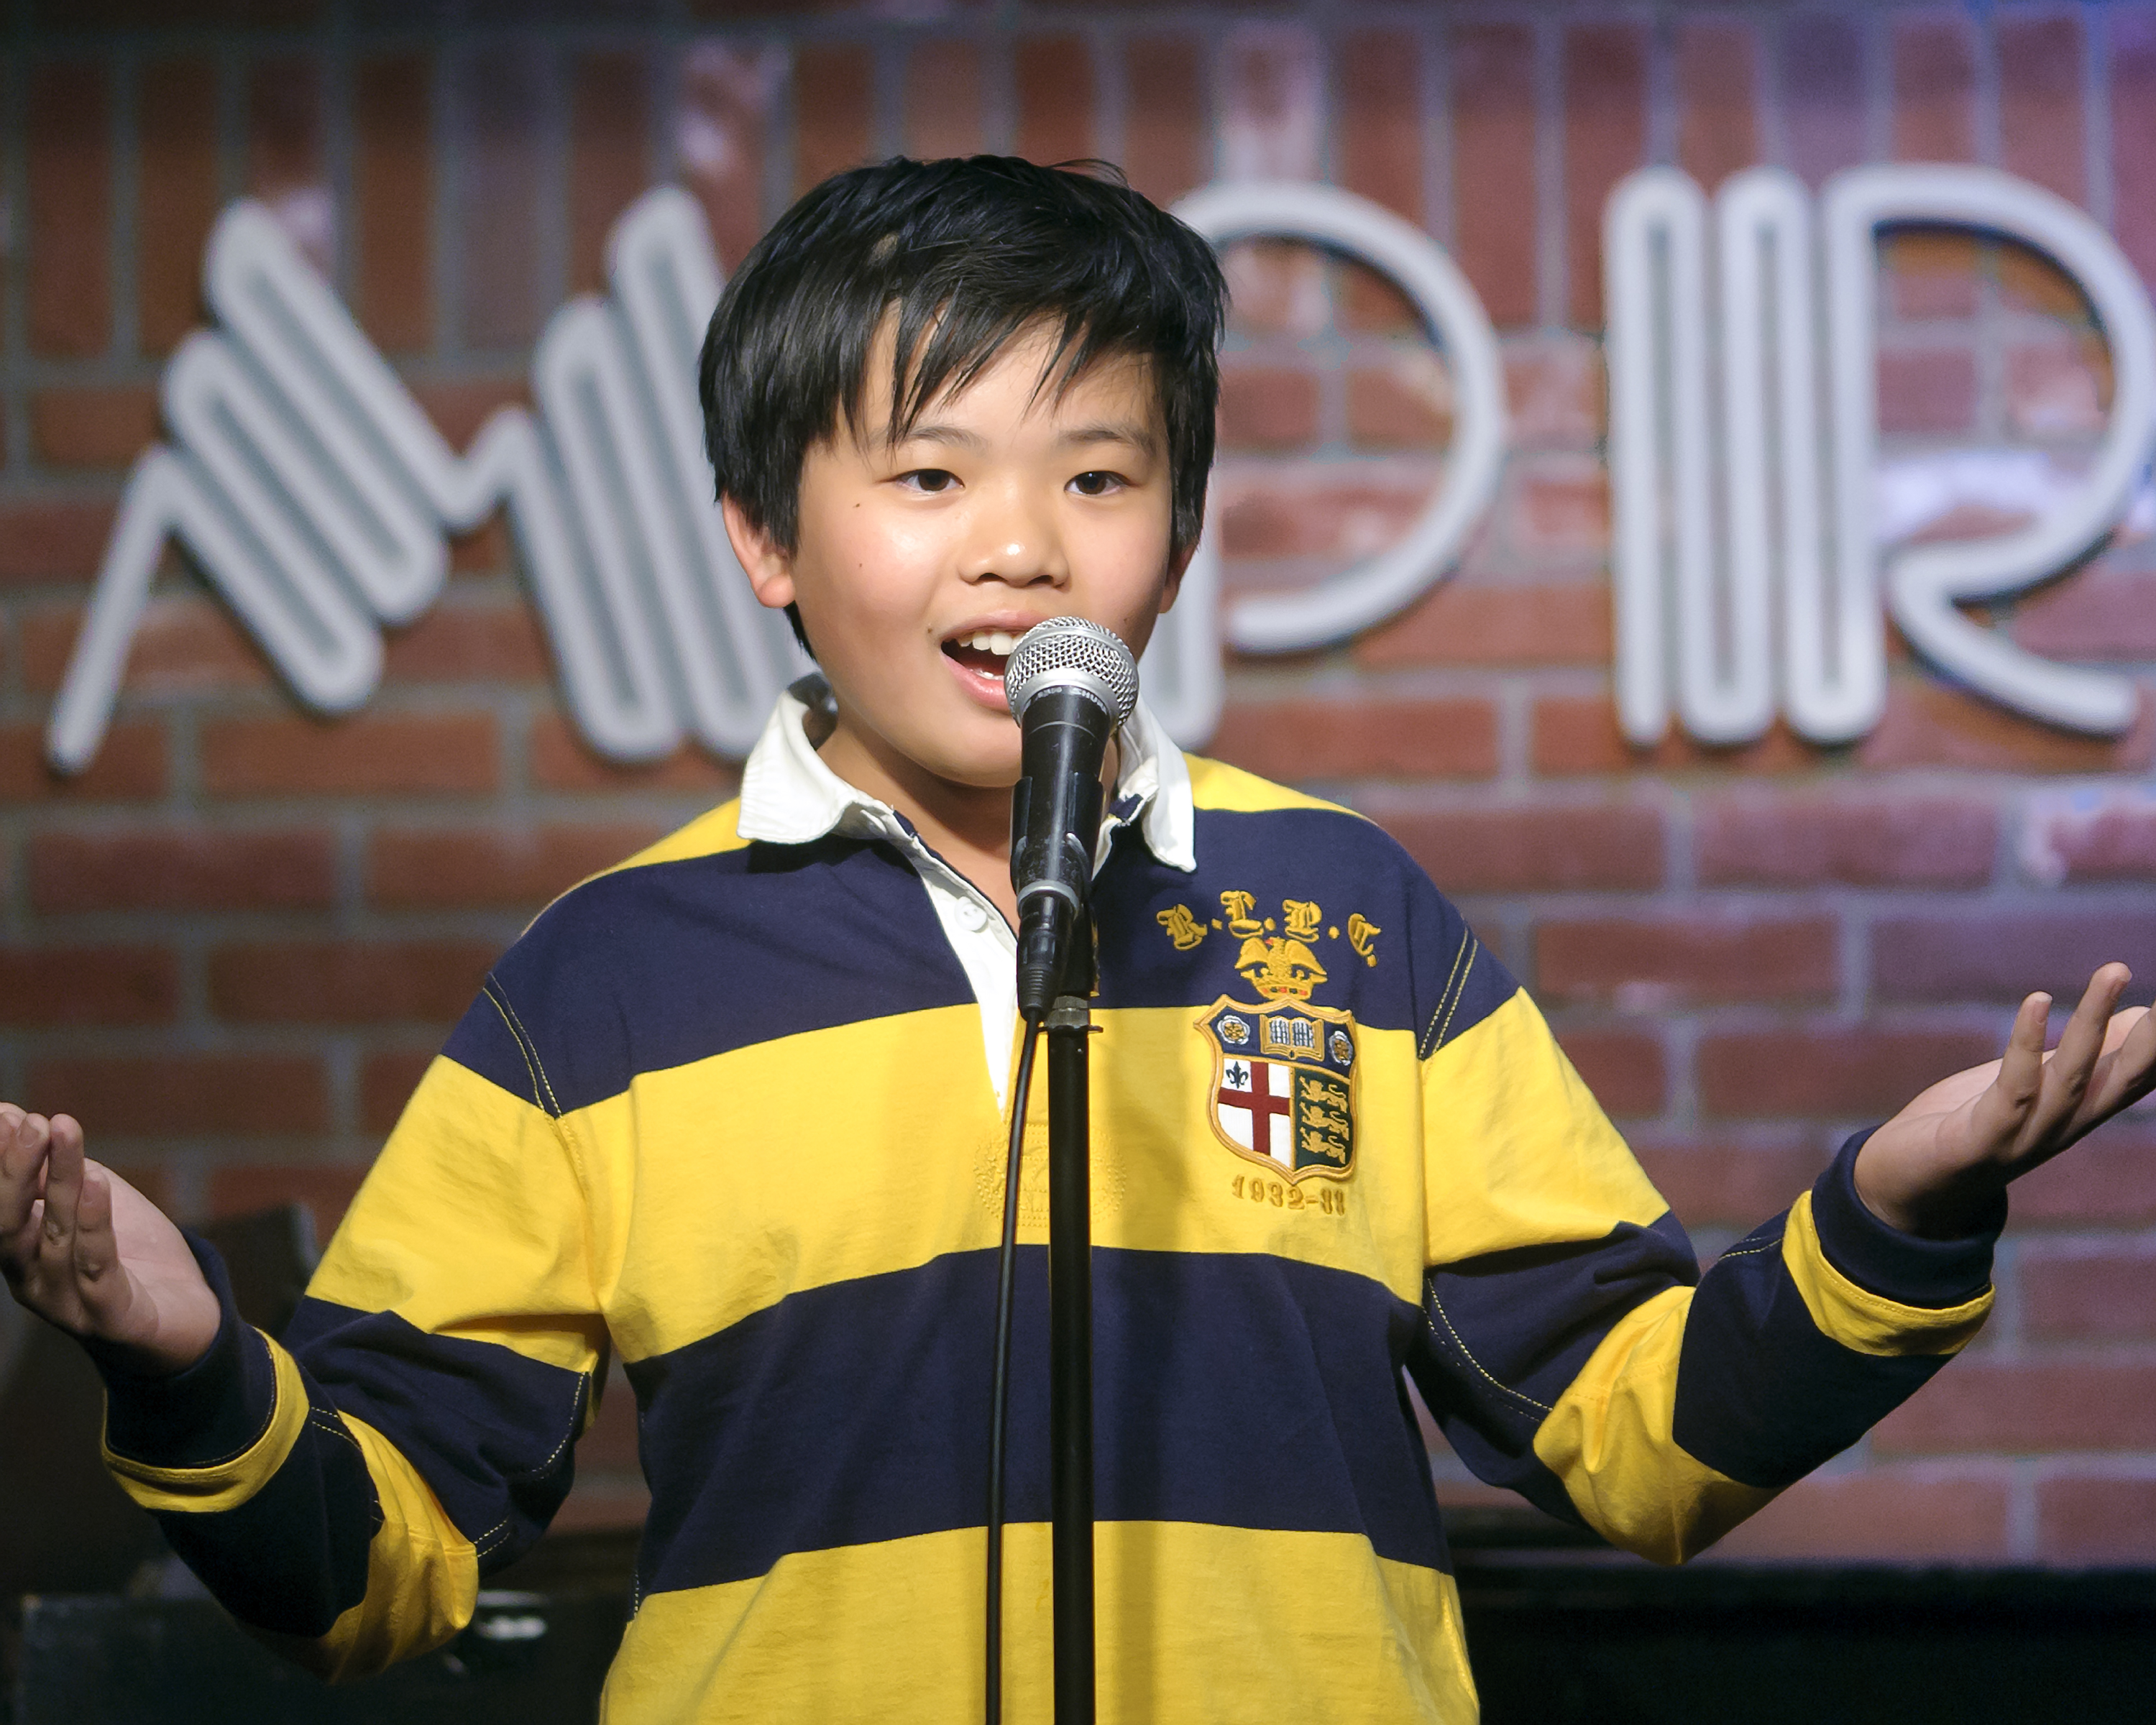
87,1252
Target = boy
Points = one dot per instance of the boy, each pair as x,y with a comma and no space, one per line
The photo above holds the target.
733,1109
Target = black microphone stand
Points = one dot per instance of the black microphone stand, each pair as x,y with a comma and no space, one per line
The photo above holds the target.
1071,683
1071,1328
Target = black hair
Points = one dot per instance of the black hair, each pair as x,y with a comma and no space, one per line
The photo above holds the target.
967,253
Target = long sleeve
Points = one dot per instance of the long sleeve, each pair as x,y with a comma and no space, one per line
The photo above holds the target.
346,1489
1571,1350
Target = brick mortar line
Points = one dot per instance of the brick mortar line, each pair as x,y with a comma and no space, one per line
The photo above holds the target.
1105,50
554,176
888,55
14,269
1993,332
1434,95
340,147
1993,404
1861,788
123,85
192,948
122,929
1853,959
1664,120
1984,91
1000,110
2005,1330
230,70
2074,1242
1681,1104
1807,1018
1338,674
349,836
1552,310
342,1061
2096,113
1768,112
1876,68
445,163
1515,706
782,134
212,1037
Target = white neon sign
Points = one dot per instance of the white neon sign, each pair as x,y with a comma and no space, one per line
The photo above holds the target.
1181,669
315,495
1703,628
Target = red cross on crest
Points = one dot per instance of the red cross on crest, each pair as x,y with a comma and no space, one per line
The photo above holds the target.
1261,1091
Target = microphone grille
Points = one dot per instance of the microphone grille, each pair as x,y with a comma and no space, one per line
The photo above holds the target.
1069,650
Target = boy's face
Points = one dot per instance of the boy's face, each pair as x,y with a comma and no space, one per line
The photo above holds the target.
917,564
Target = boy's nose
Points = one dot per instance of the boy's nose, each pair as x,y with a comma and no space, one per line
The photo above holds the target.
1018,550
1019,561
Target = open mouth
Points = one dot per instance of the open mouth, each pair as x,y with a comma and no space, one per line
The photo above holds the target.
985,652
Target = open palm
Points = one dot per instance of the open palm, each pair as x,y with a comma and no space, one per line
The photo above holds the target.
1934,1167
86,1251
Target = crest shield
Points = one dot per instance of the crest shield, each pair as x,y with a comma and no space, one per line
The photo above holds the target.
1284,1085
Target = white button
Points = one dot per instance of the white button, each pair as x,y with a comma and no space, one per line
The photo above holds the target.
972,915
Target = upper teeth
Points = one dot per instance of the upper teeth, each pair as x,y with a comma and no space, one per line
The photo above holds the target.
990,640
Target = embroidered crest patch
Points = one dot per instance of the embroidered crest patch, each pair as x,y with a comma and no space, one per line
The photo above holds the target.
1284,1085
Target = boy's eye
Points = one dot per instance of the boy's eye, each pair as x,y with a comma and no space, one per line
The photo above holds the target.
931,480
1095,483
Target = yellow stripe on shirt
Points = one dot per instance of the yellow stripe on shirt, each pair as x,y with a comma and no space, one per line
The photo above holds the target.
475,1194
1520,1152
1214,784
1862,1320
422,1573
1224,1644
1165,1179
1609,1440
709,834
756,1160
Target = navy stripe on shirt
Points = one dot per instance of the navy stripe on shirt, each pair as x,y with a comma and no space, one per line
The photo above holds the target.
1425,963
489,1429
318,1513
1233,1390
1505,1334
1763,1397
655,967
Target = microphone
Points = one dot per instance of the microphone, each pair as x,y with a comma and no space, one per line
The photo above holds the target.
1070,683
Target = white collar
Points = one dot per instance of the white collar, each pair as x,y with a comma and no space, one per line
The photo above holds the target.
789,797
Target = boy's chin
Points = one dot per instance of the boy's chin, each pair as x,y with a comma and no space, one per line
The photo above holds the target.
964,764
976,775
982,751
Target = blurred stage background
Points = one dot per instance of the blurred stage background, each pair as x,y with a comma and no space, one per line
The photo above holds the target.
234,942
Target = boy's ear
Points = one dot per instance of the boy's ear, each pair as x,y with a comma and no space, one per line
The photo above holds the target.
763,559
1176,565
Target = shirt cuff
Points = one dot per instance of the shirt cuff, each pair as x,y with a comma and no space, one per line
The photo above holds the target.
1905,1268
202,1417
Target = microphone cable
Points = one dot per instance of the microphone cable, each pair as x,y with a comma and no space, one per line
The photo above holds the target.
999,1412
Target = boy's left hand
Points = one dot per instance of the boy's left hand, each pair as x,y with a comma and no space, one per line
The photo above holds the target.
1936,1166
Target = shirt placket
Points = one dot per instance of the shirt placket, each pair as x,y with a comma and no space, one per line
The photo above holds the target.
979,938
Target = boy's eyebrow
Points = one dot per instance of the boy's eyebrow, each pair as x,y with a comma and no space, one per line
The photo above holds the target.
1105,431
944,434
1110,431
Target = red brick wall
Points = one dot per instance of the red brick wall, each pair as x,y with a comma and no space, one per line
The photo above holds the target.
233,942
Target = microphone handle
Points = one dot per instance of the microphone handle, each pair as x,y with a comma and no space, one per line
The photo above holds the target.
1055,821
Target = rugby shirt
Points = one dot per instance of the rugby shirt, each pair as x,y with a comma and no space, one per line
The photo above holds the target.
731,1112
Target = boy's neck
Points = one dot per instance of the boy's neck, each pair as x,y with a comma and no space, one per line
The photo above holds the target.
968,826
